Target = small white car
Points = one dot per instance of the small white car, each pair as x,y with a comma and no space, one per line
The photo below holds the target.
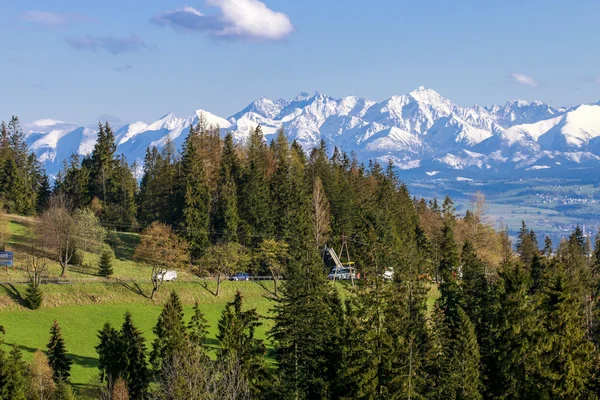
388,274
165,276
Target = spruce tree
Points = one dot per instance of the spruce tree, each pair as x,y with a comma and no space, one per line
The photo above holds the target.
225,215
465,358
569,355
255,194
449,261
57,355
170,331
33,295
102,162
281,187
196,195
112,361
198,328
527,245
13,374
520,341
43,194
305,330
136,372
238,343
105,267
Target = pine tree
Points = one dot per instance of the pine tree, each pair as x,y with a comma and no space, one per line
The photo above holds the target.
170,331
105,267
57,355
136,372
198,328
33,295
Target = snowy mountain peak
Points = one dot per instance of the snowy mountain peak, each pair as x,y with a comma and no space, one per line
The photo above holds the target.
419,131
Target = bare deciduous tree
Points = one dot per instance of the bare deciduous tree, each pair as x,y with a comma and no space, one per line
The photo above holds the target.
321,214
36,265
89,233
225,259
41,384
160,248
196,377
57,231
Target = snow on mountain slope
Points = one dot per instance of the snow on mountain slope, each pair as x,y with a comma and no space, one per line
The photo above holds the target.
418,130
573,130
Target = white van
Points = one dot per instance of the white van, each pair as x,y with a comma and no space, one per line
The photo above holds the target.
165,276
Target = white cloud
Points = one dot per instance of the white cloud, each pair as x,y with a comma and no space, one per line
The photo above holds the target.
239,19
51,18
525,80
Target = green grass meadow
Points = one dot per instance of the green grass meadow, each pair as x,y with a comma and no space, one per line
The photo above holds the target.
85,301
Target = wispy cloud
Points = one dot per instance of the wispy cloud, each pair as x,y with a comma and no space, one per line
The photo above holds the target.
52,18
525,80
38,86
123,68
111,44
238,19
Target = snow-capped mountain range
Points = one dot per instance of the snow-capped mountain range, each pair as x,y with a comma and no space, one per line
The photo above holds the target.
422,132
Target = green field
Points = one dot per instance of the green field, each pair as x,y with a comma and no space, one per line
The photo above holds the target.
80,322
85,302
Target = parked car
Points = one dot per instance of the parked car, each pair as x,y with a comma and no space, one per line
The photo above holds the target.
345,273
240,276
165,276
388,274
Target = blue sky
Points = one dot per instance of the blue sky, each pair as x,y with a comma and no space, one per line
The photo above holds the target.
131,60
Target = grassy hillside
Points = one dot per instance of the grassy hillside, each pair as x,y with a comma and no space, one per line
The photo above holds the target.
85,301
82,309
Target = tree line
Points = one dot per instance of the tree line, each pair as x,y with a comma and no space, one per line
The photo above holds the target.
506,323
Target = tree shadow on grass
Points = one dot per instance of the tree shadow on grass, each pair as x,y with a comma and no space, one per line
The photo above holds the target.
134,287
83,361
204,285
86,390
14,294
123,244
269,291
